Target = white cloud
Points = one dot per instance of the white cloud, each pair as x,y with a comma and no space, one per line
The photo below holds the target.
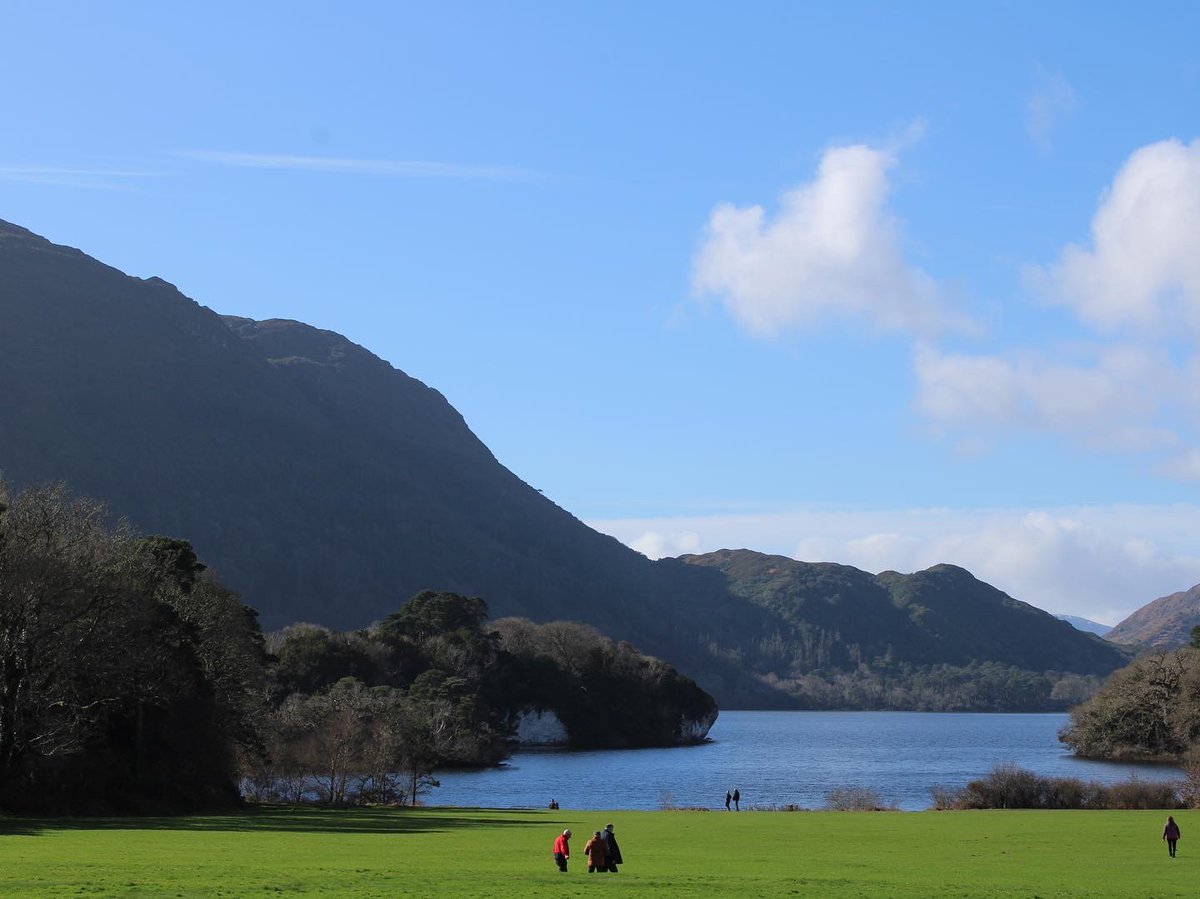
386,167
1143,267
74,176
1099,562
1053,99
831,252
657,545
1135,386
1183,467
1120,398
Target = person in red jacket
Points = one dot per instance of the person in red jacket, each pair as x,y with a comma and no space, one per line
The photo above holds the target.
1171,834
562,850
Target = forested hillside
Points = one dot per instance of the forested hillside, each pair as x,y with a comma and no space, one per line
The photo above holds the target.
935,639
132,679
327,486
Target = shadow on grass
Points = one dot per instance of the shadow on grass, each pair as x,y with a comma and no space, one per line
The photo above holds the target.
297,819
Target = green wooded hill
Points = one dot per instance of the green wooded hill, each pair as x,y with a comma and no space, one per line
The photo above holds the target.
328,486
836,616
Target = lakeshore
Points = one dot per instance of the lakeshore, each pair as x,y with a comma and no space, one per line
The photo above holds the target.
780,758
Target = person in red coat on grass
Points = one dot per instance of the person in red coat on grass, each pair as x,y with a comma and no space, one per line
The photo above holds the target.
562,850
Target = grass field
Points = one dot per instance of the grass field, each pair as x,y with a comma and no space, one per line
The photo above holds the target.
471,852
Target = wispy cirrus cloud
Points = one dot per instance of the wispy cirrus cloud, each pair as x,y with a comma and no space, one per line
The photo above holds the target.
75,176
1053,100
392,168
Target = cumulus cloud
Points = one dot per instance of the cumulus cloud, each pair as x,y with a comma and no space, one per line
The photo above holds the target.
1117,400
832,251
1099,562
1053,99
1133,384
1142,269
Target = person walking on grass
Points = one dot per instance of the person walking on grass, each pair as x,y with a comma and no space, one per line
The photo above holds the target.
612,852
1171,834
594,850
728,799
562,850
737,797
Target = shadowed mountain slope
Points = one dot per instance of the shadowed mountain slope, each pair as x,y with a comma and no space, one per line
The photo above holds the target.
328,486
323,483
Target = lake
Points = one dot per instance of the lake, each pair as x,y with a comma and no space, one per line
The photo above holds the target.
776,758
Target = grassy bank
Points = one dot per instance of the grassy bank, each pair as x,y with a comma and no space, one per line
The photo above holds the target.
453,852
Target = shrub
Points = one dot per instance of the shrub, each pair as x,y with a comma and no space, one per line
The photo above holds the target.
1141,794
947,798
855,799
1008,786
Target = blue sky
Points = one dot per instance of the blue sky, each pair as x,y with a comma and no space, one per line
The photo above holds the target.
884,284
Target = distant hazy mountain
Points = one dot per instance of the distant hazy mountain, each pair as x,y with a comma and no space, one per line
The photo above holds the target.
1086,624
328,486
1165,623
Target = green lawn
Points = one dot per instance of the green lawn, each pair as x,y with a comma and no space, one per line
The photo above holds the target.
469,852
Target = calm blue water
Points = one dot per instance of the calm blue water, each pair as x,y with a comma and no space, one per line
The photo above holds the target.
776,758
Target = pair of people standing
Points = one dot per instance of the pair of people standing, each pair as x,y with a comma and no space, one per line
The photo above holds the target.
735,797
602,850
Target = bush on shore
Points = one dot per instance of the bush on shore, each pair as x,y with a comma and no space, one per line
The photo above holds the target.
855,799
1008,786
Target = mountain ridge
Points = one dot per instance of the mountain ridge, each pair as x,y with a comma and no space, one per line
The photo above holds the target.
1163,623
327,485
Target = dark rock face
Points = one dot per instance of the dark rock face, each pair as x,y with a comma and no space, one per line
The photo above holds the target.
1165,623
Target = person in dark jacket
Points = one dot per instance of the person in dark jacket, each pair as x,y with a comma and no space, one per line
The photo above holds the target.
562,850
1171,834
612,852
728,799
737,797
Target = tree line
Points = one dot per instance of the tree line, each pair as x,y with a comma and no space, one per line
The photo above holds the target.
131,679
129,676
1148,710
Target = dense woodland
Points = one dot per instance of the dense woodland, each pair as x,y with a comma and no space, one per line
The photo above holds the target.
1147,710
131,679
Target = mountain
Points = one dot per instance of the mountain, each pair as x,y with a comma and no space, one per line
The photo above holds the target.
328,486
1165,623
1086,624
318,480
836,616
322,482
